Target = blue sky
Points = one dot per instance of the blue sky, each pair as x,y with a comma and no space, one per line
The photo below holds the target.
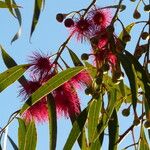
48,36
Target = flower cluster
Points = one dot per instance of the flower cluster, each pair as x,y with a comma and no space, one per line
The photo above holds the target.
66,98
93,26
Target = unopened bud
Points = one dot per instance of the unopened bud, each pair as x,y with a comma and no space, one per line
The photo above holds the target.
145,35
84,56
136,14
126,112
147,124
68,23
147,8
60,17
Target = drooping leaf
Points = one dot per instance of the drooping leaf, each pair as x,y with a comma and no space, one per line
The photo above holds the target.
11,75
22,129
12,143
37,10
51,85
141,75
93,117
112,96
76,130
30,137
75,58
52,122
113,129
131,74
18,16
9,62
143,141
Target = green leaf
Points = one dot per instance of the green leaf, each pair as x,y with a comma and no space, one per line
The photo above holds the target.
141,75
11,75
22,129
30,137
76,130
75,58
37,10
98,143
113,129
18,16
52,121
127,29
51,85
12,143
143,144
131,73
91,69
9,62
4,5
93,117
112,96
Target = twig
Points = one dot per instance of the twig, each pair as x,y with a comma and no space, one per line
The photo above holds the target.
128,130
87,9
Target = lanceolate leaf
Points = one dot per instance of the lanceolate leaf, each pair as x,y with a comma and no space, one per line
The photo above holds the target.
30,137
51,85
143,77
18,16
52,122
9,62
130,71
76,130
113,128
22,129
11,75
37,10
112,95
143,141
75,58
93,117
12,143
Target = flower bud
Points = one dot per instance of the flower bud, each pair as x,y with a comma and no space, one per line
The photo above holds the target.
88,91
136,14
60,17
144,35
147,8
126,37
106,68
147,124
126,112
68,23
84,56
136,121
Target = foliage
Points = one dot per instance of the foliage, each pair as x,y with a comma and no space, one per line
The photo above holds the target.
52,90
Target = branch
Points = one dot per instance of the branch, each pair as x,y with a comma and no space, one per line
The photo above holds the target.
128,130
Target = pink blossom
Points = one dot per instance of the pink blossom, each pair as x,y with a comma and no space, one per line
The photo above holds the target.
40,64
82,29
38,111
112,59
100,17
81,80
67,101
